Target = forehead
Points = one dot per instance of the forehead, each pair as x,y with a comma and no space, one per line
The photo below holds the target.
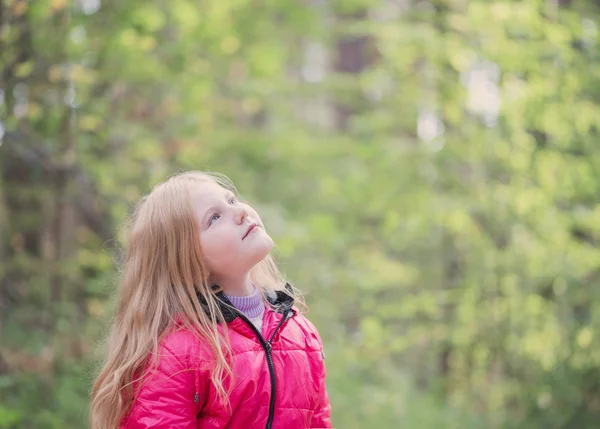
208,193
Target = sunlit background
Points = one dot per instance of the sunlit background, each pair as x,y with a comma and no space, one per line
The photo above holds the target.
429,170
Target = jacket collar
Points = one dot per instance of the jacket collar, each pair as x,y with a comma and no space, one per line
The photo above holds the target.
279,301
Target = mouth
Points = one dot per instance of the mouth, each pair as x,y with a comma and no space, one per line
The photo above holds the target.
250,229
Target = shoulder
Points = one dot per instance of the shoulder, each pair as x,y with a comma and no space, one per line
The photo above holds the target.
303,321
303,327
181,345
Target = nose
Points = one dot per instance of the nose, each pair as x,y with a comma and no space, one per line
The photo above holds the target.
240,214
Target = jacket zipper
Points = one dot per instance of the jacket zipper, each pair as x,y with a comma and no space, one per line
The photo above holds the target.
266,345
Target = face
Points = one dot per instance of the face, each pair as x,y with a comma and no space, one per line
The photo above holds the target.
232,236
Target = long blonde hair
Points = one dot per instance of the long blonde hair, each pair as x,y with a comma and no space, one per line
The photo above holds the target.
163,272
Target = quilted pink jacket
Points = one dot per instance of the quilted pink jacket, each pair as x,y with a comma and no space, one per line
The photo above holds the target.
279,377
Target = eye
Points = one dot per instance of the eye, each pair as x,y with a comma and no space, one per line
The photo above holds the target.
232,200
213,219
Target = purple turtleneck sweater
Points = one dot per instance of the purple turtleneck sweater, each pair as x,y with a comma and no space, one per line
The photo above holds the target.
252,306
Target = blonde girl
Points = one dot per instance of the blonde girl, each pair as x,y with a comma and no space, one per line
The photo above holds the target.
207,334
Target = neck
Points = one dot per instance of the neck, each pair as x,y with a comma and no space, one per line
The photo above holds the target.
236,286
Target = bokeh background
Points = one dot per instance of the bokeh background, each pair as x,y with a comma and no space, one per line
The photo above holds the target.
429,169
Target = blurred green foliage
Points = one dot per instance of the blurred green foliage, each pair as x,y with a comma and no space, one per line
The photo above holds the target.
428,169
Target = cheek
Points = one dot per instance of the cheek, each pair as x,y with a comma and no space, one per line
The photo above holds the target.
217,248
211,248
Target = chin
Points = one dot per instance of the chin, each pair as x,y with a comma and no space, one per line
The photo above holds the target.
266,249
262,251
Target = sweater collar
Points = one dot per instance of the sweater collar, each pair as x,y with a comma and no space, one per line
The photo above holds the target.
279,301
251,305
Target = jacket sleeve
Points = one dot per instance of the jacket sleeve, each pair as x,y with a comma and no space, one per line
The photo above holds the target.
166,398
322,416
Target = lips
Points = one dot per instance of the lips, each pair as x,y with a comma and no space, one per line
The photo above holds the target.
250,229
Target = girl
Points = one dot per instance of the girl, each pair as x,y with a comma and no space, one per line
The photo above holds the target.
206,333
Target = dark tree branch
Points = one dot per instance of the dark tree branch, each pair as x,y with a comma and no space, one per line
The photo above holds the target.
97,219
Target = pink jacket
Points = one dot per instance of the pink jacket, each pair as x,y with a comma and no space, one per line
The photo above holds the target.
279,378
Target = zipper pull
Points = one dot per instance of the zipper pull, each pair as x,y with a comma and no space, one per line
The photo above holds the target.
269,347
197,397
